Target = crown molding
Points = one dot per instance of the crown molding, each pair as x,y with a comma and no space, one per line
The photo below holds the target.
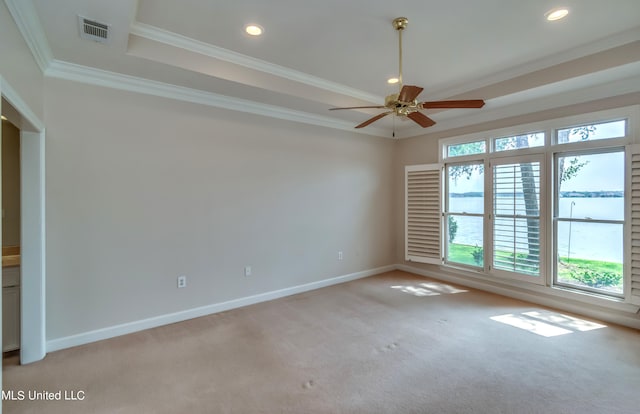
497,110
84,74
176,40
26,18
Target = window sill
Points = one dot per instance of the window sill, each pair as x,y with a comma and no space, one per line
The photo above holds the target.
588,295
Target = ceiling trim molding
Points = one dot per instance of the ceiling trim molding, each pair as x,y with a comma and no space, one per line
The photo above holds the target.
98,77
176,40
26,18
84,74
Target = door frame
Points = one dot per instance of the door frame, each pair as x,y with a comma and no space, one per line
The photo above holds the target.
32,225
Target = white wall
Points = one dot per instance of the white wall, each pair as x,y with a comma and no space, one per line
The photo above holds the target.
142,189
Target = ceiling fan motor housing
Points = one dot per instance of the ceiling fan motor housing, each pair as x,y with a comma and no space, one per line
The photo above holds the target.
391,100
400,23
399,107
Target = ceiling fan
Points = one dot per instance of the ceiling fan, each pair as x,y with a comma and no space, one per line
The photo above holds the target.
405,103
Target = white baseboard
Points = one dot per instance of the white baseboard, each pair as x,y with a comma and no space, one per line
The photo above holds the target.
135,326
534,297
568,305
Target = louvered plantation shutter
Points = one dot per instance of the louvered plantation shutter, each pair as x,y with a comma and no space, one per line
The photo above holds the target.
423,213
634,151
516,216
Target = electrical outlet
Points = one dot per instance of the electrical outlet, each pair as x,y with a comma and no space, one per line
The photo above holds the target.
247,270
182,281
340,256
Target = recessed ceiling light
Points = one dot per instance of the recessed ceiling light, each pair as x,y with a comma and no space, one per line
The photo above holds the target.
253,30
393,80
556,14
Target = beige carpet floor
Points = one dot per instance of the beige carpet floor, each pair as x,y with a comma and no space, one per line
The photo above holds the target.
392,343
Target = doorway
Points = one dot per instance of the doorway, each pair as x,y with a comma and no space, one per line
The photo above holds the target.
10,236
32,219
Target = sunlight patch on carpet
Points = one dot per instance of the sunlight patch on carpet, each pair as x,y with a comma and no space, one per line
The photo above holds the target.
566,321
428,289
547,323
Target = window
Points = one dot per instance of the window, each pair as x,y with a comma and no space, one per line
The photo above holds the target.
468,148
519,142
556,204
590,221
592,132
464,214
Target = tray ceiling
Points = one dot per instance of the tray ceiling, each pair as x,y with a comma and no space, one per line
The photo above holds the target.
316,55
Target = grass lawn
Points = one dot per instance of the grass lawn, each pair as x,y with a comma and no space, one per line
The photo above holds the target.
568,269
462,253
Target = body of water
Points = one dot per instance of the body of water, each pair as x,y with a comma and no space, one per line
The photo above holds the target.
594,241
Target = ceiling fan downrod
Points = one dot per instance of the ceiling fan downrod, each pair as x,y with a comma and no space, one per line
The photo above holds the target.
400,23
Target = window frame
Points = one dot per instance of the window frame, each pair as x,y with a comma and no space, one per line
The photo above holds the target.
446,213
556,219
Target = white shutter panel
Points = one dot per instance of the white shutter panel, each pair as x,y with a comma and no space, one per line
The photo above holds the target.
635,224
423,213
516,226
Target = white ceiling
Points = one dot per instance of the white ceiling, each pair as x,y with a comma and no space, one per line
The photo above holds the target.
314,55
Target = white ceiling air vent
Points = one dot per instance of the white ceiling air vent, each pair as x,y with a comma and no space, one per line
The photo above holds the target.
93,30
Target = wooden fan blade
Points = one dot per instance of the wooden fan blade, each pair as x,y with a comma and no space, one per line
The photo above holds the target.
357,107
468,103
408,93
421,119
374,119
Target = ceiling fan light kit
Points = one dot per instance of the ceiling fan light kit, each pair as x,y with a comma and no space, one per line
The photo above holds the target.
405,102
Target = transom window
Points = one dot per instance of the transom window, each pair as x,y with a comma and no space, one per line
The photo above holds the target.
467,148
518,142
592,132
